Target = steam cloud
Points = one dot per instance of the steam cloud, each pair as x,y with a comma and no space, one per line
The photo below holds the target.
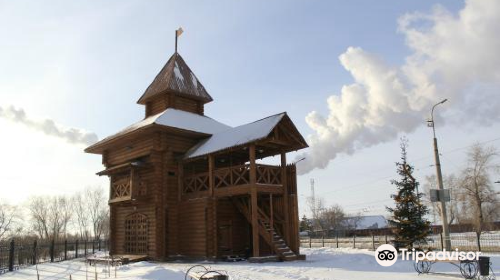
49,127
454,56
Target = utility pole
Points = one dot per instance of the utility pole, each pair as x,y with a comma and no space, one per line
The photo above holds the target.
444,216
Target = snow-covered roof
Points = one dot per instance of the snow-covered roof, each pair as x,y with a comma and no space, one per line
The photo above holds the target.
235,136
176,76
176,119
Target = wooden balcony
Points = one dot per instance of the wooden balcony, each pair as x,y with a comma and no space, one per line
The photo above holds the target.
121,190
234,180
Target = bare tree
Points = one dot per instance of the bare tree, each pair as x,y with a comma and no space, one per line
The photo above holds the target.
316,206
333,218
39,214
476,188
8,219
98,209
81,213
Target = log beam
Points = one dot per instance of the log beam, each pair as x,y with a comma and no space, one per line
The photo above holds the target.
254,202
285,197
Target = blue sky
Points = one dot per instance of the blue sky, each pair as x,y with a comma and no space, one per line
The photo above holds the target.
84,64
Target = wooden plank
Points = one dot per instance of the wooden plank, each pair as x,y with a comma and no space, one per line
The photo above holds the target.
286,205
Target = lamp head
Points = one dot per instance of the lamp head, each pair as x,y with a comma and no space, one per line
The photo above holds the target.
444,100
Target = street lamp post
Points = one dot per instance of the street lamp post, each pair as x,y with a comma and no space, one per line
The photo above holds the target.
444,216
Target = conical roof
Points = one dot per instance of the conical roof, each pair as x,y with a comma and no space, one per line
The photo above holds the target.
176,77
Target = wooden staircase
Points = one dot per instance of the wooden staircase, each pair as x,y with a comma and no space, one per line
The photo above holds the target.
270,235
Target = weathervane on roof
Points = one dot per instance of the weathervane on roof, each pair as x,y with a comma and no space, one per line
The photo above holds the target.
178,33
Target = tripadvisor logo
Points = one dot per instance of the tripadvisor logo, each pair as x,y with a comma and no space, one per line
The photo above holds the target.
386,255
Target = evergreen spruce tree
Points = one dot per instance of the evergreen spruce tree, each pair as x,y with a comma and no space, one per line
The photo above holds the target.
408,217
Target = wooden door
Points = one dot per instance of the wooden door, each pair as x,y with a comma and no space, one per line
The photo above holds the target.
136,234
224,240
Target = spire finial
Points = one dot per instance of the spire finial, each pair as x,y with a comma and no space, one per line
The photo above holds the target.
178,33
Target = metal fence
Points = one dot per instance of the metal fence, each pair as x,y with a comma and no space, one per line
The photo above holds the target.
15,255
465,241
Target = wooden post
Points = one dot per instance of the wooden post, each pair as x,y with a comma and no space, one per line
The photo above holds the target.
323,239
65,249
254,202
11,255
76,249
442,243
51,251
34,253
337,238
271,213
310,242
211,185
85,248
354,241
286,205
180,181
373,242
386,239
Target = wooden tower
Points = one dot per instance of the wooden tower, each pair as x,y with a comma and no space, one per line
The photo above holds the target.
183,185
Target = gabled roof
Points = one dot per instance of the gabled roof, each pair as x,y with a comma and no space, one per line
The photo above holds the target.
237,136
177,77
171,118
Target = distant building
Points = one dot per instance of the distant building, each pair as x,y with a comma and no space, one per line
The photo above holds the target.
367,222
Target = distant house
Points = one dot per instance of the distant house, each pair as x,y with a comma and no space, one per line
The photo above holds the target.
367,222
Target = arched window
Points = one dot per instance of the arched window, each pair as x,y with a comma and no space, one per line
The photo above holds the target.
136,234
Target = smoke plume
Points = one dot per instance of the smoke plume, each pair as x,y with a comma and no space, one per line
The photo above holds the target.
49,127
452,56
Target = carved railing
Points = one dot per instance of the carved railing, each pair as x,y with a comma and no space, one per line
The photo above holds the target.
232,176
196,183
268,174
121,190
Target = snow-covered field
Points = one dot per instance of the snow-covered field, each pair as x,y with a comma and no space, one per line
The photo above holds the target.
321,263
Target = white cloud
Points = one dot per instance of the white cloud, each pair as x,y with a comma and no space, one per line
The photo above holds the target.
35,164
49,127
453,56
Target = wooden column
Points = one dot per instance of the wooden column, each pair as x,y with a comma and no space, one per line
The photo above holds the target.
211,185
285,198
254,203
180,180
271,213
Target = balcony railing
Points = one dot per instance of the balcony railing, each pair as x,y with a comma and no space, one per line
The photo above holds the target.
232,176
121,190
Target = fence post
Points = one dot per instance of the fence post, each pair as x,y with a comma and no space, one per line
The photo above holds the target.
34,252
310,245
76,249
85,248
93,246
323,240
442,244
337,238
11,255
386,239
373,242
99,244
65,249
52,251
354,241
478,239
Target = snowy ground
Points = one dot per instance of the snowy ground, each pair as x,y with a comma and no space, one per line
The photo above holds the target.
321,263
